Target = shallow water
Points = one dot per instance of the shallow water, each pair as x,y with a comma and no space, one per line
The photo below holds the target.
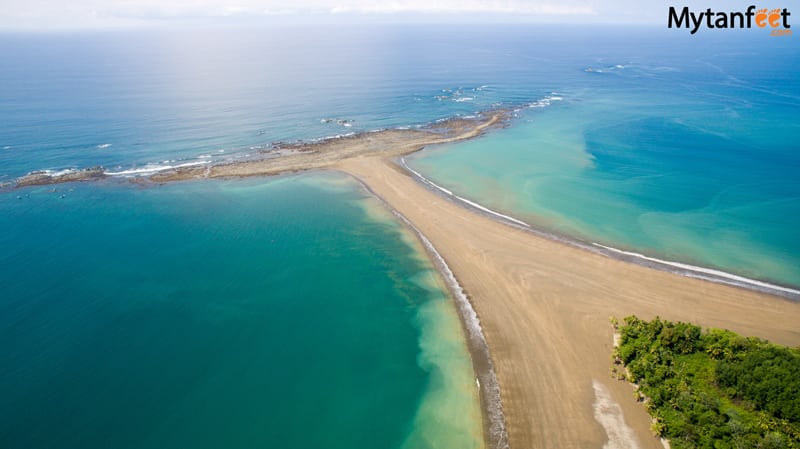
290,312
685,158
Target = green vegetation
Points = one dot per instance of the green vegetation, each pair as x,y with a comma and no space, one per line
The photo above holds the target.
712,389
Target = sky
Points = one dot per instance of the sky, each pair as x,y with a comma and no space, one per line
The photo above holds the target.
68,14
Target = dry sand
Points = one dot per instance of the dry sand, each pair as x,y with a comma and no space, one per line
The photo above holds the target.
545,309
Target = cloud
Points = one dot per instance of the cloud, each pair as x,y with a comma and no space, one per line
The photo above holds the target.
77,13
221,8
465,6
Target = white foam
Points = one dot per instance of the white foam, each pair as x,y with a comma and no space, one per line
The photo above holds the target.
103,146
546,101
463,99
471,203
66,171
609,414
497,431
692,271
153,168
698,272
333,137
53,173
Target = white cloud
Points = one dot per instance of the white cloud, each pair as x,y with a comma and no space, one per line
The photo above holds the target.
463,6
99,13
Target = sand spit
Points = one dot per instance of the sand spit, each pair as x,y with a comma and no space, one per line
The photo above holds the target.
544,307
543,304
292,157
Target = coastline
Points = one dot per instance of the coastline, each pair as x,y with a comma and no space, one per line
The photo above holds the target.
544,308
543,300
391,143
287,157
494,431
678,268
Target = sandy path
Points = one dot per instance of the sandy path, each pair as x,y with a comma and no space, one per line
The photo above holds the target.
545,310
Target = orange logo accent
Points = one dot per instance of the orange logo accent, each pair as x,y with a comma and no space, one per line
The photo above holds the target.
761,15
773,17
776,18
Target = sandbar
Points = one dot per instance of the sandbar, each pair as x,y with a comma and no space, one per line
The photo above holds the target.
543,304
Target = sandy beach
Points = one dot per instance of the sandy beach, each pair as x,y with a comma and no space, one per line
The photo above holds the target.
544,305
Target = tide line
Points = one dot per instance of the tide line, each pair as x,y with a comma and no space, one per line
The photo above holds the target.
683,269
486,379
710,274
154,168
471,203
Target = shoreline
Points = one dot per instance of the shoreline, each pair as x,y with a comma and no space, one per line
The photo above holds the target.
493,418
494,422
542,300
283,157
679,268
326,152
675,296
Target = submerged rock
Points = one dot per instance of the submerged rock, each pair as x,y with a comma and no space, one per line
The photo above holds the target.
47,177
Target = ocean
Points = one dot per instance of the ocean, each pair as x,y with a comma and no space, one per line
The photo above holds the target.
294,311
676,149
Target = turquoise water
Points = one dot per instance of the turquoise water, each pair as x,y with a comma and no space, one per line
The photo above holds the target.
679,146
292,313
682,156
